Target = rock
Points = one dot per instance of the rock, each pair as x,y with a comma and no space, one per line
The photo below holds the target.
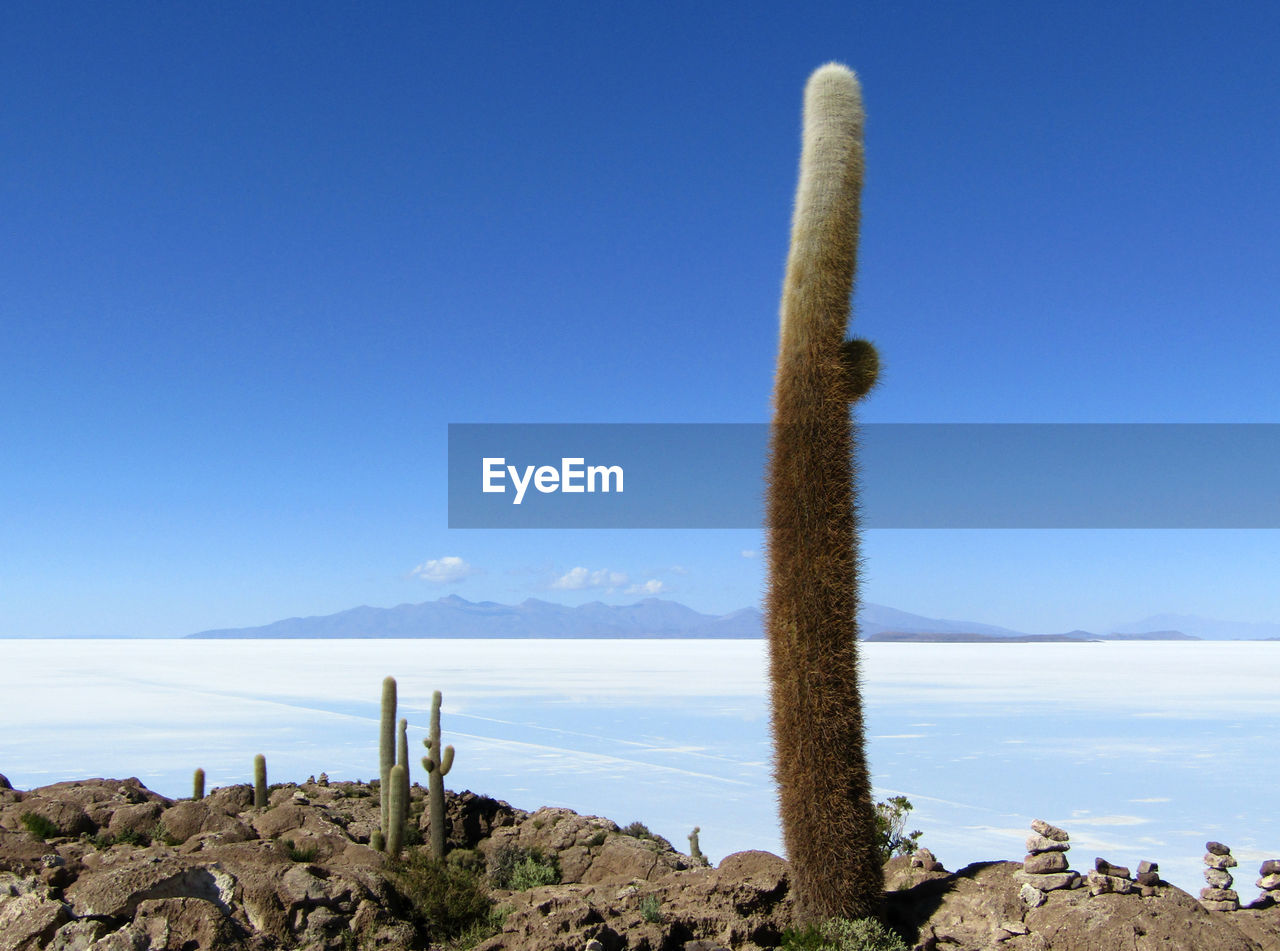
1040,843
184,923
1219,894
1104,867
1218,878
1148,873
1270,867
1103,884
1220,905
924,859
1049,882
1031,896
136,819
1218,860
1049,831
29,921
1216,848
4,782
1044,862
1268,882
117,892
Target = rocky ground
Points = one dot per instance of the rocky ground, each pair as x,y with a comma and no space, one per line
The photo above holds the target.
121,868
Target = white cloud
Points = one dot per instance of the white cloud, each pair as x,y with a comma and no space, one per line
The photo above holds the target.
443,570
578,579
749,553
650,587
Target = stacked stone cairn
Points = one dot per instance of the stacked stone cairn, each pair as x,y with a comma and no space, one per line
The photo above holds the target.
1045,867
1106,879
1269,881
1218,895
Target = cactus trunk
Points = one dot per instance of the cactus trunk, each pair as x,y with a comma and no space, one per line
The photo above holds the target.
398,807
386,747
259,780
824,787
437,763
197,784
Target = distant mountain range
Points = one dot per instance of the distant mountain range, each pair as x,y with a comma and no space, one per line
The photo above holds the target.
453,616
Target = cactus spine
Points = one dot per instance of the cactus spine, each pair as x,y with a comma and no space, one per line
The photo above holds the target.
197,784
386,747
399,808
820,765
437,765
259,780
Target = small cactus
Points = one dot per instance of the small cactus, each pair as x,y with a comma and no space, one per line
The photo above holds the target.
399,809
387,745
259,780
197,784
437,766
695,851
376,841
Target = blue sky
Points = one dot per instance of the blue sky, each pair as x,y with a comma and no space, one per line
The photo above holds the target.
257,257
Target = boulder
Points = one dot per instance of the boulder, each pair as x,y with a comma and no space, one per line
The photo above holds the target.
1219,860
1043,862
1049,831
1040,843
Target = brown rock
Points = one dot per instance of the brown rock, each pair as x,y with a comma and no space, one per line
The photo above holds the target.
1104,867
138,818
1049,831
1218,878
1040,843
1270,867
29,921
1103,884
924,859
1269,882
1049,882
1216,848
1219,894
117,891
1044,862
1218,860
1220,905
173,924
1148,873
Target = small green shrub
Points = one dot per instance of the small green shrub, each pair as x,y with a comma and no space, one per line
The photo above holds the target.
39,826
841,934
133,837
639,830
597,839
306,853
651,909
517,869
412,835
162,834
445,901
891,821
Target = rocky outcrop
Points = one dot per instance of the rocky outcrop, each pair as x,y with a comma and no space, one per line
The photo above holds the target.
150,874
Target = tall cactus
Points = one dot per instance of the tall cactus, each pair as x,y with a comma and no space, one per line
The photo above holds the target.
259,780
386,747
197,784
824,788
398,807
437,764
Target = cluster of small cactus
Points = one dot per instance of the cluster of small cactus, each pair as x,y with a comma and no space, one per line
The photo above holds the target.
393,767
